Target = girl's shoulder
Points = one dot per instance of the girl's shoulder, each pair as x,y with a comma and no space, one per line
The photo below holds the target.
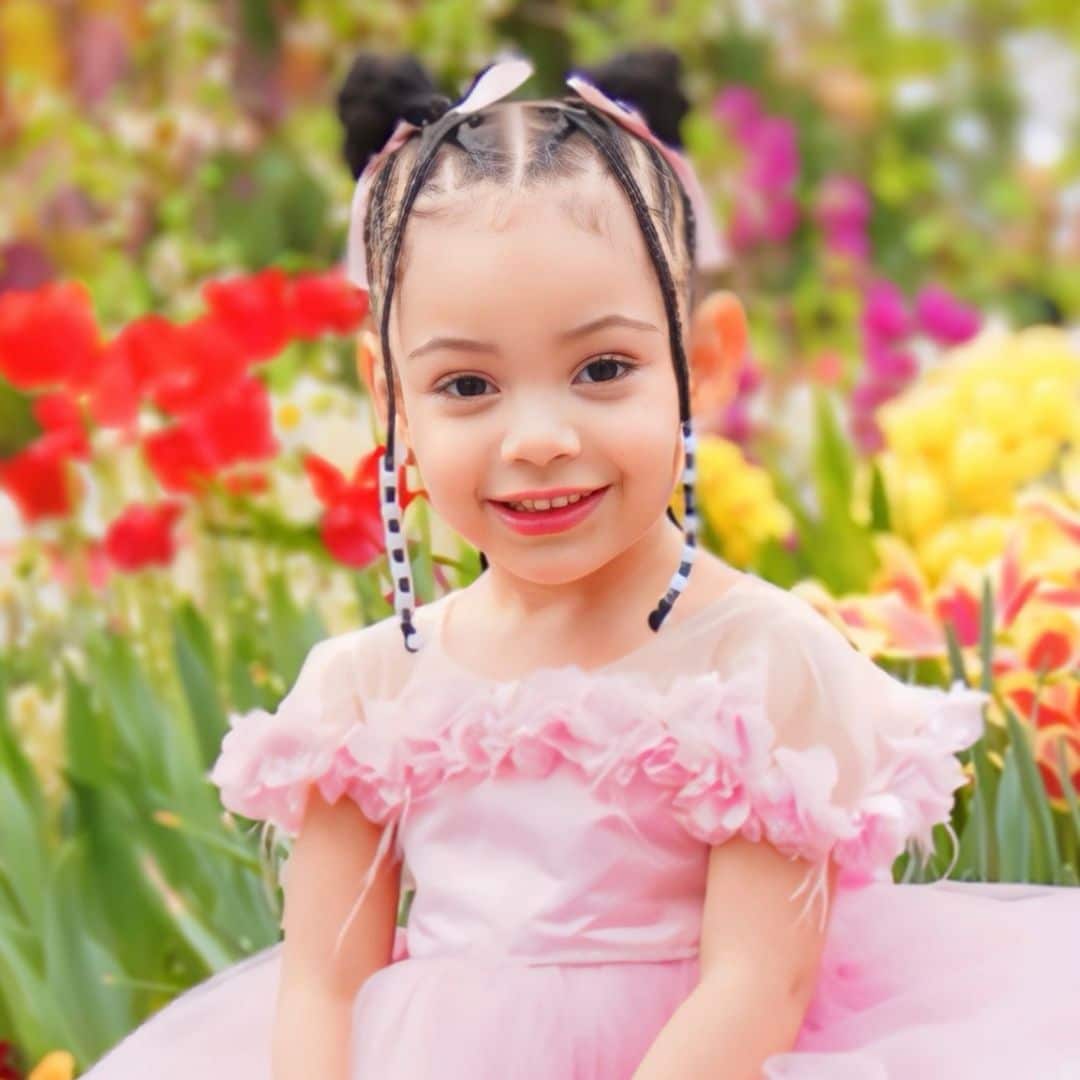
367,662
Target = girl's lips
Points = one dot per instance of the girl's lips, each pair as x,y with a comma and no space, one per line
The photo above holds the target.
557,519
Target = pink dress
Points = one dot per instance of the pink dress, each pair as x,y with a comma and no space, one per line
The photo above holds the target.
556,828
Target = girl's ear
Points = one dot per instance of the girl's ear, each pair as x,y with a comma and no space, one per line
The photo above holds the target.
369,367
718,337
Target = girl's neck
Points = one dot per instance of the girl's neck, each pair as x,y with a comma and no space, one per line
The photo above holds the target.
642,572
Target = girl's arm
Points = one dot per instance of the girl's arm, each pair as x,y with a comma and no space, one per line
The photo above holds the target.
331,854
758,967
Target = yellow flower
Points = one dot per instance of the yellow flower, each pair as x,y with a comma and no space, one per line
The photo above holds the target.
1047,638
990,419
737,500
979,541
975,459
55,1065
30,41
1070,473
922,503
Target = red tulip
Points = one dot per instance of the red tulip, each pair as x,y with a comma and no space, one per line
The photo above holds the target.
326,303
142,353
49,337
236,426
61,419
8,1069
39,480
254,309
142,536
351,527
205,361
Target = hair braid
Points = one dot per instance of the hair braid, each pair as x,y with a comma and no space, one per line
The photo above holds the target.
598,132
395,546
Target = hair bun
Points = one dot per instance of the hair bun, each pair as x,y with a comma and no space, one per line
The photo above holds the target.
647,79
378,91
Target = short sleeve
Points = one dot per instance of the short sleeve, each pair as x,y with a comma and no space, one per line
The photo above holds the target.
269,760
856,763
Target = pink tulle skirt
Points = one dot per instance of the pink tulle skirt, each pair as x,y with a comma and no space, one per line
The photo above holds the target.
928,982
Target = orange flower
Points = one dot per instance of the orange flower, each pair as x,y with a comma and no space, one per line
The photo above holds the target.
55,1065
718,338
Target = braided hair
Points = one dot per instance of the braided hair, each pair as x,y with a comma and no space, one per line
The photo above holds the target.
564,138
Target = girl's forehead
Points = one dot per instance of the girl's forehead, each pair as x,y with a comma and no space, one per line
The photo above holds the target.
542,254
563,222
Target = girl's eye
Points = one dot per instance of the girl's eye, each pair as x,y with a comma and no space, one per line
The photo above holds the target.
607,364
604,369
468,380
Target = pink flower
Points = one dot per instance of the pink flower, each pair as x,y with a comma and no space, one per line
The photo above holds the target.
782,218
885,312
843,203
944,318
774,155
887,365
739,108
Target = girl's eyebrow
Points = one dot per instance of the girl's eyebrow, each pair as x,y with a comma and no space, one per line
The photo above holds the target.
468,345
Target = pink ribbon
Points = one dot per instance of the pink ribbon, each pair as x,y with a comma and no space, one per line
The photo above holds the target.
501,79
710,252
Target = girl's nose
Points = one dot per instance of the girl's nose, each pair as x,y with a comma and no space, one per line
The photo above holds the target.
538,435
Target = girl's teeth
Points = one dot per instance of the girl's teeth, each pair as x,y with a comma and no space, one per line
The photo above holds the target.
546,504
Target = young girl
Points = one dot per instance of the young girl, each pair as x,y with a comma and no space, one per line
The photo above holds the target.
648,804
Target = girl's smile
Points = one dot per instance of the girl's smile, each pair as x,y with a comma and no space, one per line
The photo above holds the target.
545,517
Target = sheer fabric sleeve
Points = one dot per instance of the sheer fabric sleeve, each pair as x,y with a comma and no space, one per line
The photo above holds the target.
269,760
845,761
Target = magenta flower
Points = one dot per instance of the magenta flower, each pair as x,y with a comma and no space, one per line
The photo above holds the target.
890,365
750,377
781,218
945,318
843,203
745,222
737,425
774,151
867,396
849,241
740,109
884,312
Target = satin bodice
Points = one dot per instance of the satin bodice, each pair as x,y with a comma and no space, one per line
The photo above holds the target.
545,869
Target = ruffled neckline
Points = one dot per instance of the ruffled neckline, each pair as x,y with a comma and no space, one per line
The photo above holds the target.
434,648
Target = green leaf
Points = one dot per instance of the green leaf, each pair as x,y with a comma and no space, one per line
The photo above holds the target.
984,802
1013,824
23,835
880,513
17,424
27,996
986,637
88,738
1072,800
160,744
193,649
77,965
292,632
1047,856
832,462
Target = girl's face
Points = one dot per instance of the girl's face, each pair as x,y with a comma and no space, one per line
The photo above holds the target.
531,353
